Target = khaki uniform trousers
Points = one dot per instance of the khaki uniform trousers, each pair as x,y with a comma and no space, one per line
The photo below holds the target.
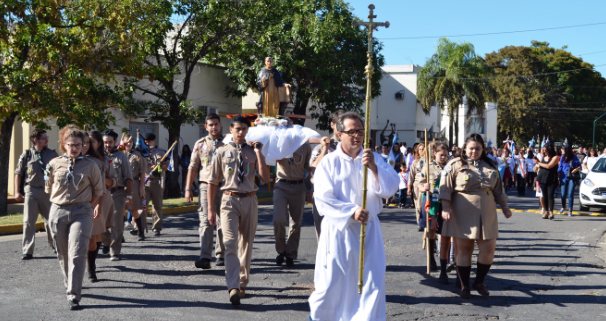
206,230
317,219
239,224
113,236
155,193
289,200
418,198
36,202
71,226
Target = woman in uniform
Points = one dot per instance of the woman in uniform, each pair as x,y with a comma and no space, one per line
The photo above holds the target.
469,191
93,148
138,165
436,166
415,171
75,184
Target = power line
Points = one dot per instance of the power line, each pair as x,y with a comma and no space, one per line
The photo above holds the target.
520,76
497,33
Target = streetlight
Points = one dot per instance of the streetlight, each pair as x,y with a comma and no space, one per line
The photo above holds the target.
593,144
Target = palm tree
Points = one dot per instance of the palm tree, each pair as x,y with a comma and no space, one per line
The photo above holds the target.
449,75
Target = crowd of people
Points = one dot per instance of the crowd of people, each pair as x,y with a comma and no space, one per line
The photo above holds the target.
84,193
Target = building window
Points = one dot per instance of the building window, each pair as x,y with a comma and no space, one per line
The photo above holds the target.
476,125
143,128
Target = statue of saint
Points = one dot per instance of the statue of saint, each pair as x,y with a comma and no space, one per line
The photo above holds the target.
275,94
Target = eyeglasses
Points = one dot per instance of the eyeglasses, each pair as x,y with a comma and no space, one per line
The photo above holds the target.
74,145
354,132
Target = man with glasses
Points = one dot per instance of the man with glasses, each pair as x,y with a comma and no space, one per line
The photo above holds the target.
122,195
338,190
29,180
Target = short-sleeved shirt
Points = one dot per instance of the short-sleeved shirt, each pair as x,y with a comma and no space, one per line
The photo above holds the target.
138,164
33,168
225,168
203,155
155,155
106,168
435,171
122,167
73,181
293,168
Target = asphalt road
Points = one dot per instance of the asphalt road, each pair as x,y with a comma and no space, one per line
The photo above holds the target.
543,270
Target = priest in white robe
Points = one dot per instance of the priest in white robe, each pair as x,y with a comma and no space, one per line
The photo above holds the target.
338,195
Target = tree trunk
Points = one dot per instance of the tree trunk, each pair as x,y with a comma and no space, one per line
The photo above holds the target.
456,125
6,134
450,127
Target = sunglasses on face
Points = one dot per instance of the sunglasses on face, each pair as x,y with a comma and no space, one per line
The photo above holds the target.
354,132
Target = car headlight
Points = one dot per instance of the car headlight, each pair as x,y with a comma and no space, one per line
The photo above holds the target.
588,182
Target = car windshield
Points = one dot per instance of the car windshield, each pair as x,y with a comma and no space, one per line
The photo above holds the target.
600,166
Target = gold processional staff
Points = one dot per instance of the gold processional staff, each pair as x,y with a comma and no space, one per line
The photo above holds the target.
370,26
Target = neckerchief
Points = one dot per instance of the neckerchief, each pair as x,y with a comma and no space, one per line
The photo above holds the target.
240,162
70,171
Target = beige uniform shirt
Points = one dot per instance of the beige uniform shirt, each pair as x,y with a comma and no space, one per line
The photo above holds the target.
293,169
473,193
70,182
155,155
138,164
203,155
33,169
122,167
225,169
106,169
434,172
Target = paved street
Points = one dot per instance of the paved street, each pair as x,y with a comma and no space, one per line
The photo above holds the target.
544,270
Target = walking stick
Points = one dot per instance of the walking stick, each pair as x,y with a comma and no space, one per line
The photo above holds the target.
427,199
370,26
161,160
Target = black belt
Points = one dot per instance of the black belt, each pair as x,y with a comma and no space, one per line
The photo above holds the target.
33,186
115,189
292,182
239,194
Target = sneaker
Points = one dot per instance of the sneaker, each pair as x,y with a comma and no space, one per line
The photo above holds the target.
141,238
203,264
220,262
73,304
450,267
280,259
421,229
156,232
134,232
114,258
26,257
561,210
570,213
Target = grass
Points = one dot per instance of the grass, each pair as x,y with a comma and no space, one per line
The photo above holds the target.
17,218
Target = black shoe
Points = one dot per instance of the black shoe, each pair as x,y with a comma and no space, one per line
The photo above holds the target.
220,262
92,276
290,262
141,238
481,288
280,259
134,232
73,304
27,257
450,267
444,279
156,233
203,264
421,229
465,294
105,249
54,250
433,266
123,240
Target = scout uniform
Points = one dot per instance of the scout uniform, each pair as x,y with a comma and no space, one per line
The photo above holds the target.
435,170
138,166
71,184
202,158
112,238
416,174
31,165
154,189
107,170
235,166
289,200
473,191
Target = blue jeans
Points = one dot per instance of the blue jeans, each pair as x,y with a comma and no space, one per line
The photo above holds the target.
403,196
129,218
567,187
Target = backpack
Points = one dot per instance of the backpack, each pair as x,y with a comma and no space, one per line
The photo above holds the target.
28,156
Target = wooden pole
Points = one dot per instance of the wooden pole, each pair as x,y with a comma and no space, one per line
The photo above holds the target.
427,198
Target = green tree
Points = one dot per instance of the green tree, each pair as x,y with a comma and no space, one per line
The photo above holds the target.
546,91
56,61
316,49
449,75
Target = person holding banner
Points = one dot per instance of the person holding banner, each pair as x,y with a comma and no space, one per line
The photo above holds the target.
470,189
154,187
338,194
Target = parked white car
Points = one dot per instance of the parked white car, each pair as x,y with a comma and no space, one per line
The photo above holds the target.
593,188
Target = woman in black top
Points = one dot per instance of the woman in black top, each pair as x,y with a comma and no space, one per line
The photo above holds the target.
548,178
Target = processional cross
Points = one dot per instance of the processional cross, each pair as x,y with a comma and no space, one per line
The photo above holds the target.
370,70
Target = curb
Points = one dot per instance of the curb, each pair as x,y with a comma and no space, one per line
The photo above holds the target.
18,228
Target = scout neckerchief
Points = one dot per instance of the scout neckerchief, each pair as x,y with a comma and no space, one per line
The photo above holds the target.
215,141
39,160
70,171
240,161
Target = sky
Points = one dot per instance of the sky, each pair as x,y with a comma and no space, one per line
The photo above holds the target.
455,17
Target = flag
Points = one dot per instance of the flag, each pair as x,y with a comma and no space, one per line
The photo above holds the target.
489,143
512,146
391,158
506,143
142,147
171,164
531,142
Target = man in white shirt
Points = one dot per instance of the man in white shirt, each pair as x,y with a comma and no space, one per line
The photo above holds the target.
338,193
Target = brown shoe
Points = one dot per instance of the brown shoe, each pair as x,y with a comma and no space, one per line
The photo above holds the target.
545,215
551,215
234,296
481,288
242,293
